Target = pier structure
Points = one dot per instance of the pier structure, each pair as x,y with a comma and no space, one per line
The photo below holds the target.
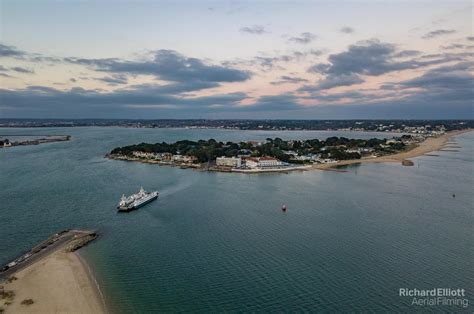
69,240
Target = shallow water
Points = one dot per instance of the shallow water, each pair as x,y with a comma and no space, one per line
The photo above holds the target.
219,241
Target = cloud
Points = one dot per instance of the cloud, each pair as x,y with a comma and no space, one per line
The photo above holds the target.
443,92
373,57
407,53
10,51
303,38
255,29
115,79
176,88
470,38
346,30
168,65
269,62
289,80
437,33
332,81
44,101
22,70
274,103
370,57
453,46
16,69
453,80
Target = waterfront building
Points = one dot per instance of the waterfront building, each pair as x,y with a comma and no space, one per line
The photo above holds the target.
183,158
235,162
352,150
144,155
262,162
166,156
155,156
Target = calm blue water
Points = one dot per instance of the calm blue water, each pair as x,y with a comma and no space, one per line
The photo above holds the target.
219,241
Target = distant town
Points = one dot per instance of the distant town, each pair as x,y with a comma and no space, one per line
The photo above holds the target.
398,126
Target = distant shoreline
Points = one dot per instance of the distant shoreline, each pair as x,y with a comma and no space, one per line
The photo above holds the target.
5,142
362,125
427,146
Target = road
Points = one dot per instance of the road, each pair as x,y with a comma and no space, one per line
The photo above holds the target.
53,244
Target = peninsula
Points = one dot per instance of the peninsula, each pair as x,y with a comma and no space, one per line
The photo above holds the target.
278,155
32,140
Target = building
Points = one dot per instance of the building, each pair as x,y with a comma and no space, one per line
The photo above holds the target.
235,162
184,159
353,150
165,156
189,159
262,162
141,154
155,156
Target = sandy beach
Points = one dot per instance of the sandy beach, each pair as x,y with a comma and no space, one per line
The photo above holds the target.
58,283
429,145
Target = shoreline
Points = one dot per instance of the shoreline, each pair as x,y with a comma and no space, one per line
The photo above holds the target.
57,283
45,139
93,280
427,146
212,169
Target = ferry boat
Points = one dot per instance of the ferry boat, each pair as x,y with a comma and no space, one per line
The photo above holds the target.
135,201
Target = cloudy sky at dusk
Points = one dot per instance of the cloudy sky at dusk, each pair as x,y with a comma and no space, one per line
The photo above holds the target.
236,59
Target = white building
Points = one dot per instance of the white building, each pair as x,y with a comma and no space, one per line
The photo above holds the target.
262,162
183,158
235,162
155,156
353,150
143,154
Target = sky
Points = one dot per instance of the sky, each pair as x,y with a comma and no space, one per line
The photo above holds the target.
236,59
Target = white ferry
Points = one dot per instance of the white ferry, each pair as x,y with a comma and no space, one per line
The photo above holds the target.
135,201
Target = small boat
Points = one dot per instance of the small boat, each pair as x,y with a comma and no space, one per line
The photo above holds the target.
283,208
